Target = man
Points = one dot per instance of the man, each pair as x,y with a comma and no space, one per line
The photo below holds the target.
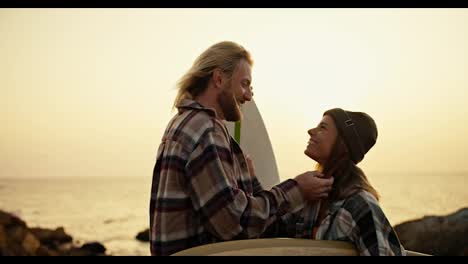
202,189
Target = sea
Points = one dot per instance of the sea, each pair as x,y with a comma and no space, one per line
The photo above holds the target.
113,210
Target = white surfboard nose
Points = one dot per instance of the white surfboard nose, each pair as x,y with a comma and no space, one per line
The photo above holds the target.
255,141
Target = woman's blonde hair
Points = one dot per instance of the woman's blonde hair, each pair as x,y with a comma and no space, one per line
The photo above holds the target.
224,55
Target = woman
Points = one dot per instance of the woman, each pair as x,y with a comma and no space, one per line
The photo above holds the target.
351,211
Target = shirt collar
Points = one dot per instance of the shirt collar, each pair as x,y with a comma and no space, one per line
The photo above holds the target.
189,104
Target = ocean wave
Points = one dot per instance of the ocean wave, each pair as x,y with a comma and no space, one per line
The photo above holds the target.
119,220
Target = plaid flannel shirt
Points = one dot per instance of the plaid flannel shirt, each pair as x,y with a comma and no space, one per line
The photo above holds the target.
357,219
202,191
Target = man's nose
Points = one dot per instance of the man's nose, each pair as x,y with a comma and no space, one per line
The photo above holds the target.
248,94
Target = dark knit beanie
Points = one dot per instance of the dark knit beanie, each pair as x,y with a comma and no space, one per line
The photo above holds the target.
357,129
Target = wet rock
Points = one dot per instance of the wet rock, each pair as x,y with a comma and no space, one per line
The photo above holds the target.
3,238
16,239
30,244
94,247
7,220
16,233
45,251
88,249
52,238
436,235
143,235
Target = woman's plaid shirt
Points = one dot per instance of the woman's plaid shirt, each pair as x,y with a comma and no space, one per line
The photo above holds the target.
357,219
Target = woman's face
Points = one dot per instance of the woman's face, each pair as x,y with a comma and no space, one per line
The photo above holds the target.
322,139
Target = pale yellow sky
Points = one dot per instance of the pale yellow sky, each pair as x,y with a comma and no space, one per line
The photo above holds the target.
88,92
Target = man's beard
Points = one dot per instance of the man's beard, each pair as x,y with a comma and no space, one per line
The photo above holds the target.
228,103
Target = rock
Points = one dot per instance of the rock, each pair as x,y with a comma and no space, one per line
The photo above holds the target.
3,241
13,249
13,232
52,238
45,251
143,235
30,244
8,220
94,247
88,249
78,252
16,239
436,235
16,234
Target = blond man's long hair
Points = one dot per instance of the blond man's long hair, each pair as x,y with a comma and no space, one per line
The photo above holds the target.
223,55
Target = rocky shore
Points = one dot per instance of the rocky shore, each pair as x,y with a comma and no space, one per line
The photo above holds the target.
17,239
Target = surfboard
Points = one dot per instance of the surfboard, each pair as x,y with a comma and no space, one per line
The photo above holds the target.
273,247
253,137
278,247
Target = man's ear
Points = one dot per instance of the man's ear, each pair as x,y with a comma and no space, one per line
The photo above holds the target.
218,78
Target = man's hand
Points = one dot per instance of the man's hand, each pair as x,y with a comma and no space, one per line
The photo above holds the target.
313,185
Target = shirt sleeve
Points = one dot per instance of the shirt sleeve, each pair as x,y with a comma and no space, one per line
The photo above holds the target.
257,186
227,211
